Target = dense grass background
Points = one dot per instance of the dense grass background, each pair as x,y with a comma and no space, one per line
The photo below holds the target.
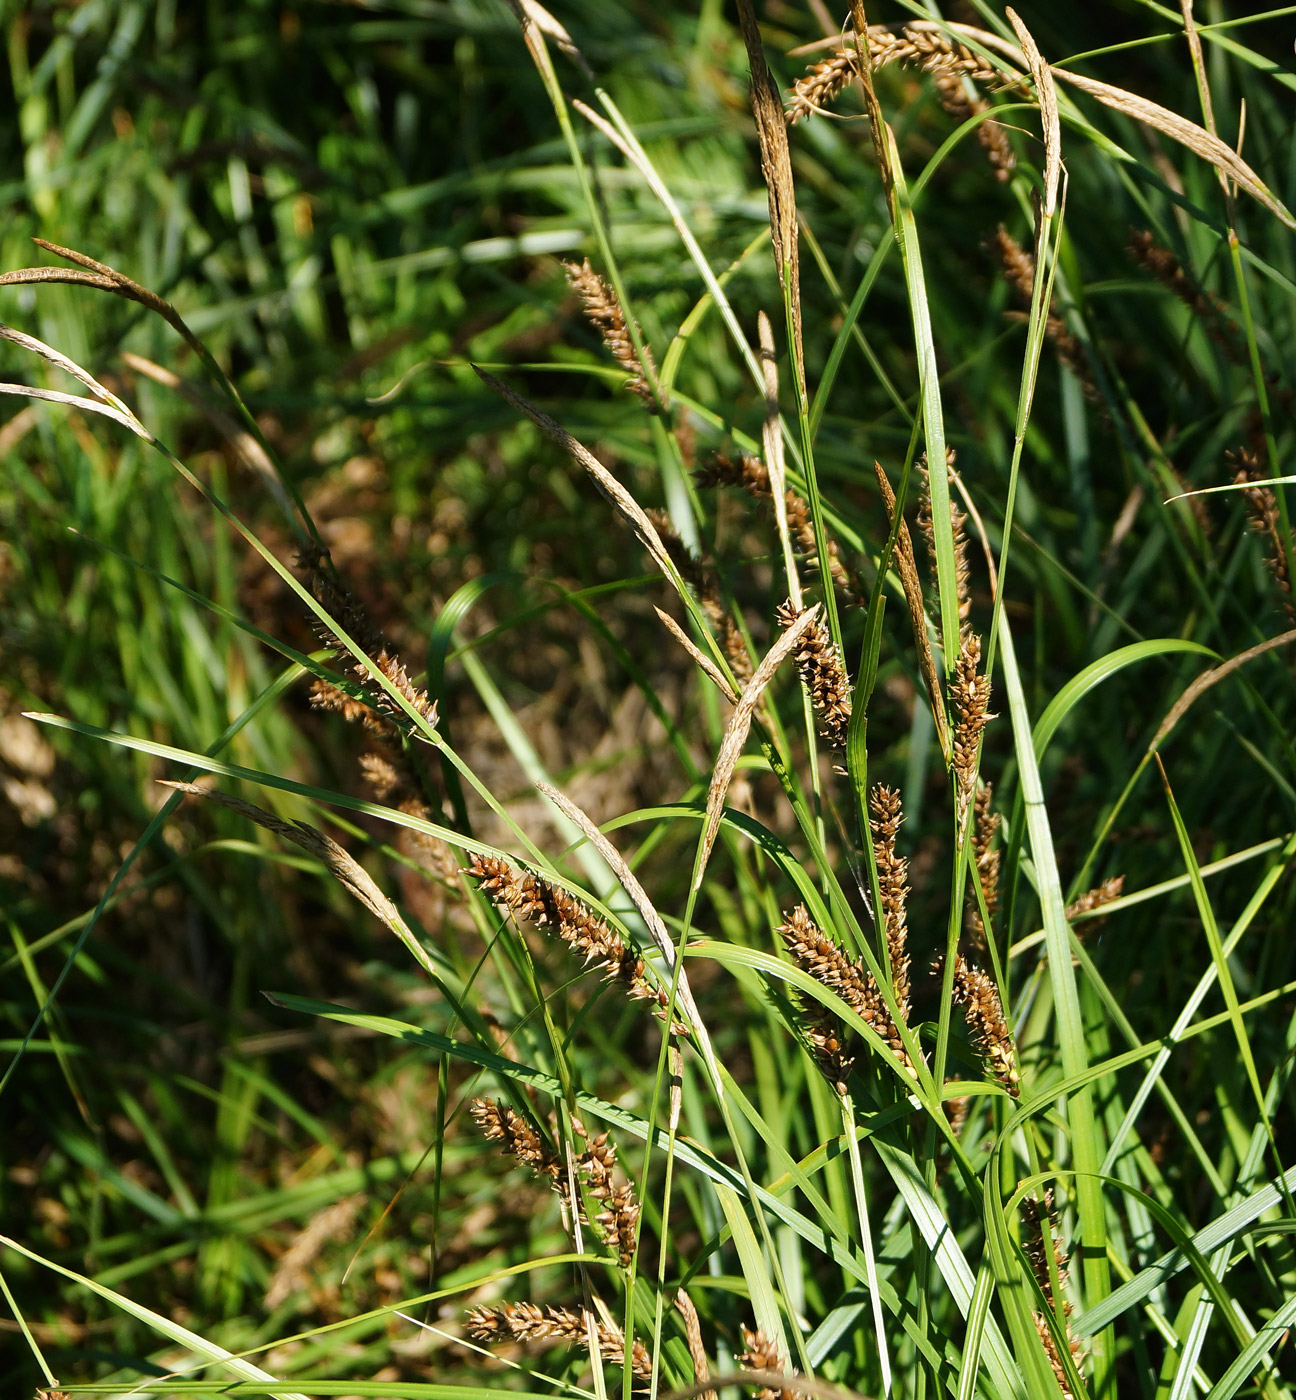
349,205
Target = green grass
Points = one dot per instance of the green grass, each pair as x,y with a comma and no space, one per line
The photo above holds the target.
235,1147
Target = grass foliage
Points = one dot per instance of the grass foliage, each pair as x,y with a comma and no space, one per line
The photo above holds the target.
582,950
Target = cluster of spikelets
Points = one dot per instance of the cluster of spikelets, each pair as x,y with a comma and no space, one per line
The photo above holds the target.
618,1220
954,67
823,673
823,959
533,900
379,656
1042,1242
1265,520
536,1324
616,1223
389,769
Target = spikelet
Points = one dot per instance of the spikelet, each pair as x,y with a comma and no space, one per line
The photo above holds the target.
751,475
734,646
696,1347
970,696
818,955
605,314
536,901
819,85
951,91
1019,270
691,569
906,565
1094,899
956,1112
748,473
1264,519
1162,264
823,673
930,50
519,1138
534,1323
893,873
761,1353
618,1221
1036,1251
987,865
393,782
958,524
979,998
356,623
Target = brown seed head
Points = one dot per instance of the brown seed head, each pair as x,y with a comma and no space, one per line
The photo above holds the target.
762,1354
893,873
1037,1254
499,1123
1095,898
340,605
987,865
929,50
748,473
979,998
533,1323
1264,519
604,313
818,955
970,695
958,522
824,676
534,900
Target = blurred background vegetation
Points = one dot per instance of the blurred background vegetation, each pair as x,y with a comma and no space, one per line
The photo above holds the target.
350,203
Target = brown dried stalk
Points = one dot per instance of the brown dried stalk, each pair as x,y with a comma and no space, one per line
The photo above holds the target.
776,167
533,1323
893,872
762,1354
818,955
604,312
979,998
823,673
1264,519
1037,1252
931,51
987,865
534,900
344,608
970,699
